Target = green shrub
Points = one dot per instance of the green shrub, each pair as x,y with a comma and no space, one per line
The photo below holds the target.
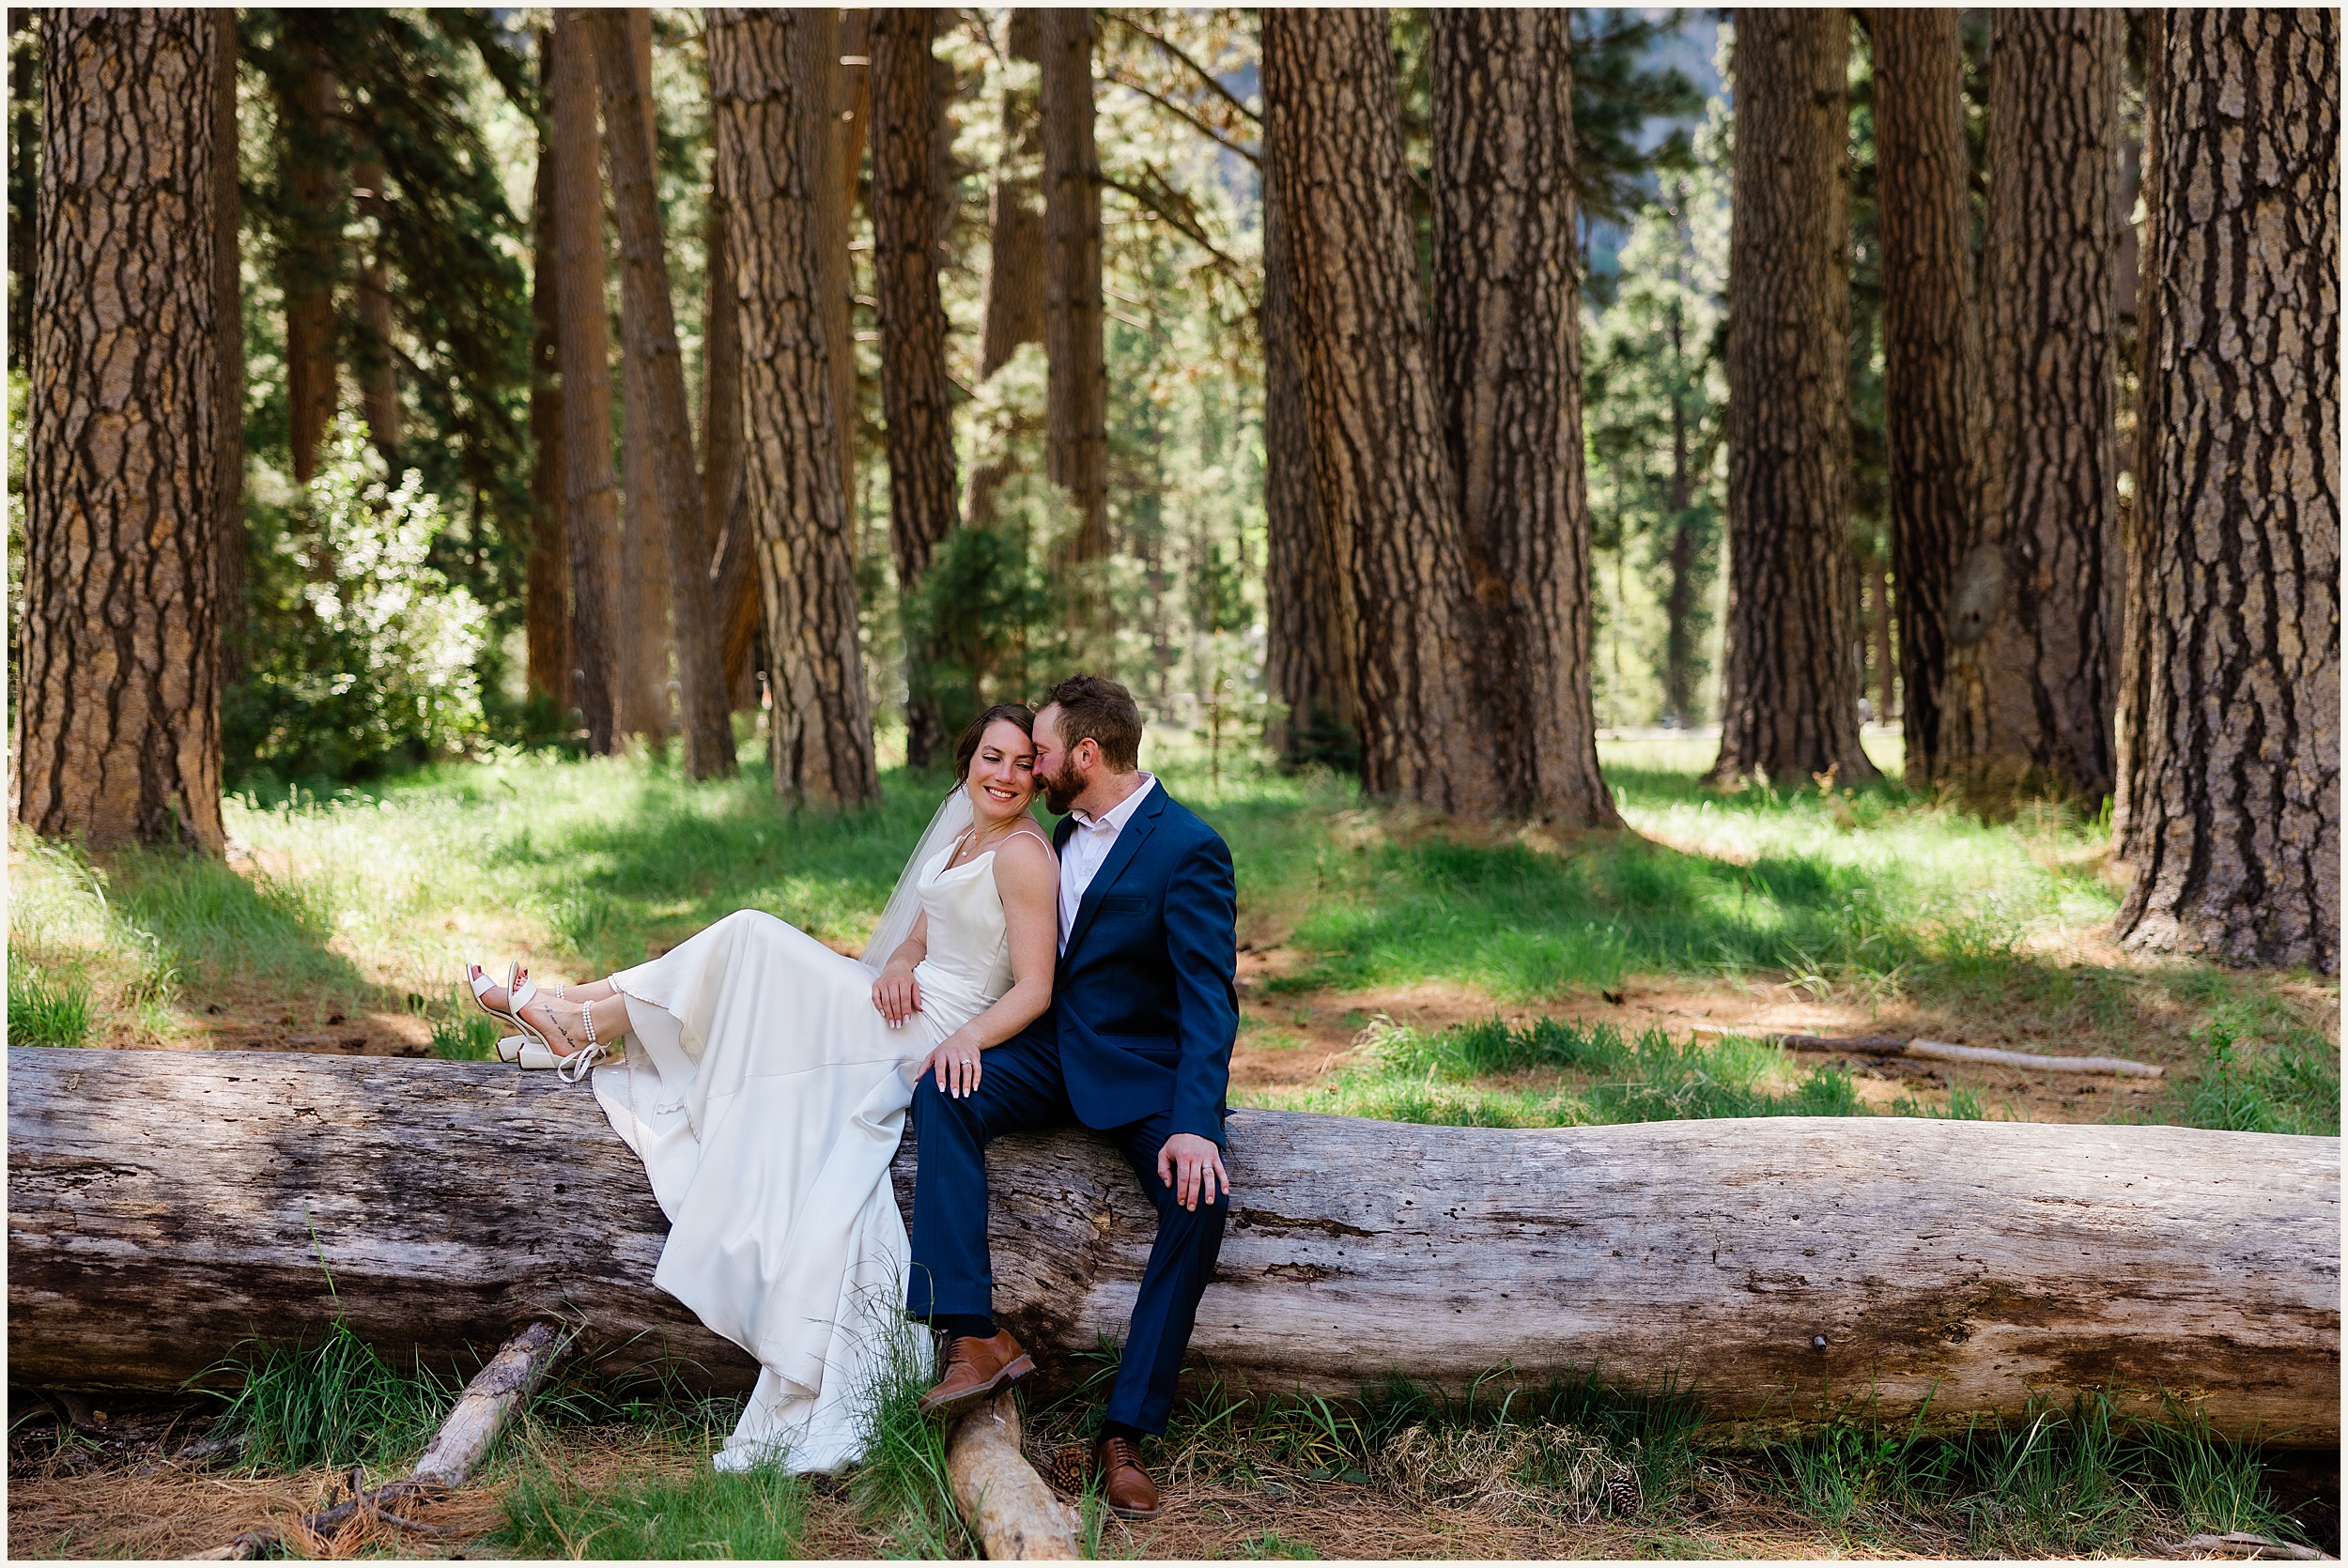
361,654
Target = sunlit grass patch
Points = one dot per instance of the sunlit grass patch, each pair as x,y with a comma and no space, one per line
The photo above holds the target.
1554,1072
757,1515
81,967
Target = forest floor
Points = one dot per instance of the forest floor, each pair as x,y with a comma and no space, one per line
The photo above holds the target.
1631,975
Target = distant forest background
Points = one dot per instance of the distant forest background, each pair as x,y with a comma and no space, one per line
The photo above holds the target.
392,228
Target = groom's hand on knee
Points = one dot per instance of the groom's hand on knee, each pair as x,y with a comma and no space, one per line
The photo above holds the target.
1193,1166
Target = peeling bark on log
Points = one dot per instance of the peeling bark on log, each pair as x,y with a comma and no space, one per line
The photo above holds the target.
161,1206
1009,1507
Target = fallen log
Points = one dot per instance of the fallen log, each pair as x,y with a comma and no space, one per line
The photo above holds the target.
1009,1507
1940,1051
164,1205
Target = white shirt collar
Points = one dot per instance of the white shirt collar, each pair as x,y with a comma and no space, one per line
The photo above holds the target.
1114,819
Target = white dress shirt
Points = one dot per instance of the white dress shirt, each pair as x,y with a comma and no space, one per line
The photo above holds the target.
1088,849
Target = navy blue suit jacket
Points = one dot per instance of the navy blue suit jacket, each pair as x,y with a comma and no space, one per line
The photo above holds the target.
1144,1002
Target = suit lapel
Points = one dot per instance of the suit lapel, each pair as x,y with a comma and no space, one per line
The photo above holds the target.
1137,827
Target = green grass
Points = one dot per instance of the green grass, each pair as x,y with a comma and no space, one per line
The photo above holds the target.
901,1485
43,1012
1872,899
760,1515
335,1404
1565,1073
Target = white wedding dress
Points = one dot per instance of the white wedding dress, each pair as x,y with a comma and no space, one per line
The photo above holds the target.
765,1096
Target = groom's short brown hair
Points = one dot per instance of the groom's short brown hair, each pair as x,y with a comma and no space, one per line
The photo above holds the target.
1095,708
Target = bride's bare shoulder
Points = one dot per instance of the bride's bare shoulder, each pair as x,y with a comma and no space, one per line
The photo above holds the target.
1026,855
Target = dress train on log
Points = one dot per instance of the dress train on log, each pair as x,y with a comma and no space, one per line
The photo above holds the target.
765,1096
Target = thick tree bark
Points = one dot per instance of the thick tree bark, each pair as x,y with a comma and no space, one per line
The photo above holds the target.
117,722
1508,362
642,646
306,114
547,589
1790,686
591,510
1308,603
2228,813
907,224
1015,251
1387,498
648,317
2029,692
725,522
1931,346
229,561
1076,389
816,58
168,1204
822,736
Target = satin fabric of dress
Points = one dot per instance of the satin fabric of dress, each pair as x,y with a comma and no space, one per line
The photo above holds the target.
766,1096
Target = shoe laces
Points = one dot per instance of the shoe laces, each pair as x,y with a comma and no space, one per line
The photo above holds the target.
1118,1453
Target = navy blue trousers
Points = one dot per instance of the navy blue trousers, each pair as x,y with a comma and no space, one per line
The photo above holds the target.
1021,1090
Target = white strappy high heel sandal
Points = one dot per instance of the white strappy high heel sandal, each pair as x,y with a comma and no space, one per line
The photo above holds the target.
531,1050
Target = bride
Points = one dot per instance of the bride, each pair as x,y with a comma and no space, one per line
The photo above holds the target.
765,1080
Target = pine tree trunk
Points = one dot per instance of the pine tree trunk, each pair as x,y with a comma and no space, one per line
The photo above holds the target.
725,522
815,56
590,508
1508,364
306,114
378,380
648,317
2028,696
2230,809
642,647
547,589
1680,595
1931,346
1387,498
229,549
1790,686
117,722
1308,604
822,732
1014,253
915,394
1076,397
855,89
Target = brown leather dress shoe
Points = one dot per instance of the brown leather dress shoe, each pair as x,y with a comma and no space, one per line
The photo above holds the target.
976,1368
1125,1486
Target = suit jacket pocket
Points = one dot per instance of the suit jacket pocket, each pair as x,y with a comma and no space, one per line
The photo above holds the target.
1124,904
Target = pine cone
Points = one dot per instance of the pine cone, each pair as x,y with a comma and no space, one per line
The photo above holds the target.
1622,1493
1069,1468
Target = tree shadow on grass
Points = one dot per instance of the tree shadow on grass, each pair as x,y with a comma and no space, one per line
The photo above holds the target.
216,925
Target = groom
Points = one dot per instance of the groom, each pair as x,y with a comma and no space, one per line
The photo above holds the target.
1137,1045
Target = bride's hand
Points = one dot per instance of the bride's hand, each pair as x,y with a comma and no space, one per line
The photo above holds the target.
956,1064
897,995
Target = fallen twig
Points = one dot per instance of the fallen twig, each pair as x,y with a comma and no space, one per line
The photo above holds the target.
2242,1543
1940,1051
489,1402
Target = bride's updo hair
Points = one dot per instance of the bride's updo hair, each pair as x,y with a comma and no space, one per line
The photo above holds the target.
967,747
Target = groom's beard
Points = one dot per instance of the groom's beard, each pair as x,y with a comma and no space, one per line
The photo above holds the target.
1060,789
